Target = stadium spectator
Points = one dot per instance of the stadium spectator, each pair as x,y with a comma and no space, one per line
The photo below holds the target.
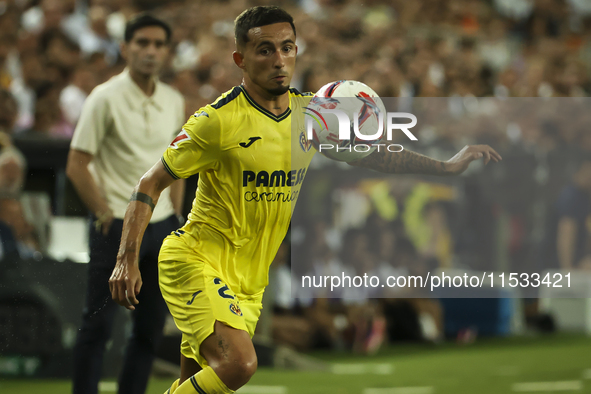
409,317
12,162
72,97
12,215
9,68
288,328
482,48
8,245
23,89
59,52
49,121
567,237
96,39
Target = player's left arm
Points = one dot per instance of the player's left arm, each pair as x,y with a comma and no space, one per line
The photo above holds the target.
408,162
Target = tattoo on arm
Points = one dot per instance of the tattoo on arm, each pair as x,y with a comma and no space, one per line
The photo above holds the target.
405,162
223,346
143,197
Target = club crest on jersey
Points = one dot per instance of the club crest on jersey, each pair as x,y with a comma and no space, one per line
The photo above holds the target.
182,137
235,309
305,143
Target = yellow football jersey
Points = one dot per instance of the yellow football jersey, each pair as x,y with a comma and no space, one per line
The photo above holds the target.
251,165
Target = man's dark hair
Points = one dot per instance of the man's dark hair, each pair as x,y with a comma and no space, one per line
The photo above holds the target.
257,17
144,20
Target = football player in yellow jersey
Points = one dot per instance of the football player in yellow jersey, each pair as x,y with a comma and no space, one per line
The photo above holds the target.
213,270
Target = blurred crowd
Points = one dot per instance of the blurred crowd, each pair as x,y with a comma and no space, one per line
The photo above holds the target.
359,317
54,52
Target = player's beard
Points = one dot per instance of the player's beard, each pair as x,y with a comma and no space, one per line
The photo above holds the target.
278,91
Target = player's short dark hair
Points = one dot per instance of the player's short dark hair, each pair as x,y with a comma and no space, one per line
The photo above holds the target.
142,20
257,17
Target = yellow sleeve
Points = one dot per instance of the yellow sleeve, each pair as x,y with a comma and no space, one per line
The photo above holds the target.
197,147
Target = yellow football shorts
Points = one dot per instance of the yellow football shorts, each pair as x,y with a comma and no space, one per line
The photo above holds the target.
197,296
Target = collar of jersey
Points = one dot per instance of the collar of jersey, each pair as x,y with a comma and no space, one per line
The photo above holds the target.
276,118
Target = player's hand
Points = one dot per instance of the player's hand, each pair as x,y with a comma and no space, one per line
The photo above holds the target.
460,162
103,222
125,284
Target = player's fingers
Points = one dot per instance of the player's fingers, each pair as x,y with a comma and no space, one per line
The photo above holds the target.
113,284
486,154
115,292
138,286
112,288
113,279
129,303
494,155
130,293
490,154
119,296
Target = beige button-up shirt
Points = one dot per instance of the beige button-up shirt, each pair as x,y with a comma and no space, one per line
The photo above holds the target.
127,132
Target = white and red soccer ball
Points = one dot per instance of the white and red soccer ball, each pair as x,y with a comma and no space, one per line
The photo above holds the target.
356,100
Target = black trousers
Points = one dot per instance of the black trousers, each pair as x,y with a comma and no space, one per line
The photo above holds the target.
99,311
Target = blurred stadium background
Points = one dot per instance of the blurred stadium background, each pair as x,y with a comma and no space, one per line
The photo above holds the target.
54,52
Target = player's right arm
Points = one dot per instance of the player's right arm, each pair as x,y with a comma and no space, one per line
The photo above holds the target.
125,282
194,150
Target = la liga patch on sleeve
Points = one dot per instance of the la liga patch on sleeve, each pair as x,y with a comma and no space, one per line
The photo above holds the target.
181,137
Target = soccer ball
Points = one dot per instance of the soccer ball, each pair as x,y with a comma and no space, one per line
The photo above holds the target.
333,113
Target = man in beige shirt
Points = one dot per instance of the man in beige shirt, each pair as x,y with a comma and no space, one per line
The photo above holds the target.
125,126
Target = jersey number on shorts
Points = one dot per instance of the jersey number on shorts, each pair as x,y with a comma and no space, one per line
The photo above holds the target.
222,290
